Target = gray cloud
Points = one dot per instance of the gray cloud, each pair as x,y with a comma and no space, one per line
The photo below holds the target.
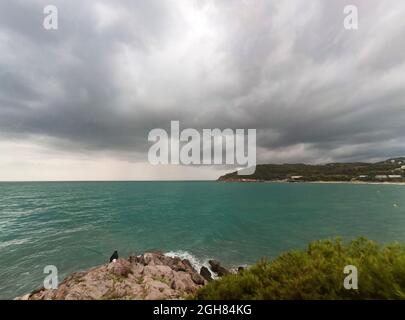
115,70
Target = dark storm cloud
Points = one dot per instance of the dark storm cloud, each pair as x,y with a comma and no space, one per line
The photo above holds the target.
114,70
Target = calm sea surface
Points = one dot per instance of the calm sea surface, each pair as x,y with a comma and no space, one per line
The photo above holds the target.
77,225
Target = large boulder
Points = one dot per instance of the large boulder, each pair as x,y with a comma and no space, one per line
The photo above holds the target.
217,268
198,279
120,267
206,274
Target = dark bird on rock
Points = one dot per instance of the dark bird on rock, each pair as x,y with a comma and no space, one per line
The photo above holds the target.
114,256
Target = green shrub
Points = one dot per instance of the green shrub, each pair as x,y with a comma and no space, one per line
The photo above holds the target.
317,273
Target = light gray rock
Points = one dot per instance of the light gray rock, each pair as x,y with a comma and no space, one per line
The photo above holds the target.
148,276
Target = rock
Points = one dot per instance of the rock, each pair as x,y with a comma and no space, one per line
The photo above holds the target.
151,258
217,268
183,282
206,274
240,269
198,279
120,267
188,265
136,259
175,263
148,276
24,297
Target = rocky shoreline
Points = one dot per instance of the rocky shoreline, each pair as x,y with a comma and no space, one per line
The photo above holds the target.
150,276
311,182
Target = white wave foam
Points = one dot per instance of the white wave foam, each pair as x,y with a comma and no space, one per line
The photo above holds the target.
195,262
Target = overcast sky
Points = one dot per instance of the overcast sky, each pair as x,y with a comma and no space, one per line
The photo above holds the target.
78,103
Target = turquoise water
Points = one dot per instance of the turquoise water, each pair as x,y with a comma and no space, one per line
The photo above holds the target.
78,225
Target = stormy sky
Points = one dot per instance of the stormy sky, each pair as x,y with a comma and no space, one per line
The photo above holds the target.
78,103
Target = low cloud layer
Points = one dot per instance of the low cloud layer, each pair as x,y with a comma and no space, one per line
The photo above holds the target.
93,89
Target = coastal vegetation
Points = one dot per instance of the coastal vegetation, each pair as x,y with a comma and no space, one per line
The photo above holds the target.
327,269
317,273
391,170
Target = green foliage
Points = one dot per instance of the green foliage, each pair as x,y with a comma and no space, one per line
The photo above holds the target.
317,273
327,172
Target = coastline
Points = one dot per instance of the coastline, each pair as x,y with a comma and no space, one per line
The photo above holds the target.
365,209
313,182
149,276
156,276
357,182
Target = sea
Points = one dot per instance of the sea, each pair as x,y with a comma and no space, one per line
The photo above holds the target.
78,225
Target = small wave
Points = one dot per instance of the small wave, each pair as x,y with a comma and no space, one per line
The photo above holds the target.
195,262
13,242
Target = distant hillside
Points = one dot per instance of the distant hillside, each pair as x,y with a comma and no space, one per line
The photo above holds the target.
391,170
